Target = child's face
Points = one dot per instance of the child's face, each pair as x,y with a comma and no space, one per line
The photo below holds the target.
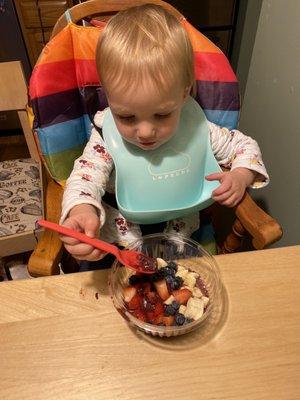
145,117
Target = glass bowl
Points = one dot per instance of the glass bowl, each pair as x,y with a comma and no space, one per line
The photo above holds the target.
170,247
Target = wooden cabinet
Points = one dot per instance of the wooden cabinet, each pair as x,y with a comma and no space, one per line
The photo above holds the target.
214,18
37,19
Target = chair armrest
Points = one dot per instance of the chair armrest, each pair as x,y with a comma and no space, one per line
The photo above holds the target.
45,258
261,226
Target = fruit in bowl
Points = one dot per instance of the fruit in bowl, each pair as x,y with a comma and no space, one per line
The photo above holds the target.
174,295
178,297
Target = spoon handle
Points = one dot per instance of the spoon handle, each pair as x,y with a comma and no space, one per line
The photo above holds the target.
99,244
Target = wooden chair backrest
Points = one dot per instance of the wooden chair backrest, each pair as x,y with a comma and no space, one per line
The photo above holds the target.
104,7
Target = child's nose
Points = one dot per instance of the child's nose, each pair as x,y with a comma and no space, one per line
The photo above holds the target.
146,131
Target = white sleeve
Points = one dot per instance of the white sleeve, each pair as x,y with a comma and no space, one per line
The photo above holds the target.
99,117
89,177
233,149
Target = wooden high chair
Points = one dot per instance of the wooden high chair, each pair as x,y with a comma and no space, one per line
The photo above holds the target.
249,218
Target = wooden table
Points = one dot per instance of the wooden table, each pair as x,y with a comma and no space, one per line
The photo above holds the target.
62,339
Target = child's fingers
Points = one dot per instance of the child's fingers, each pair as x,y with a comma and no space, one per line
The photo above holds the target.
67,240
95,255
217,176
230,201
92,227
223,197
71,224
81,249
223,188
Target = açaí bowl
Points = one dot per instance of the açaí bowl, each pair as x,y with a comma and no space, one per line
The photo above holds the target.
170,247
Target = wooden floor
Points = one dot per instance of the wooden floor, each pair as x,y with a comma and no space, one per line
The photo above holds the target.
12,147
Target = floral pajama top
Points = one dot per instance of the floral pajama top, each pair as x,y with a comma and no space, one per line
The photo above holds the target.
93,175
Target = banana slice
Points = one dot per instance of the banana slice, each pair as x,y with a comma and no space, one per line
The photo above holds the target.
186,287
194,308
190,281
197,292
182,309
161,263
169,300
205,300
182,272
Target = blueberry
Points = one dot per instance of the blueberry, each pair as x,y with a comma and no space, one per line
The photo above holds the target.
177,283
172,265
175,305
179,319
170,283
169,310
169,279
138,278
167,271
134,279
157,276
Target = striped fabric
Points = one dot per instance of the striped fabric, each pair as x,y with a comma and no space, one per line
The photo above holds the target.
65,92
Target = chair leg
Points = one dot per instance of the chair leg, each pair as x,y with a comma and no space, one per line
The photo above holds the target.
234,240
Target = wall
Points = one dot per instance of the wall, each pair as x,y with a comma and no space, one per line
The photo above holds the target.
244,39
270,110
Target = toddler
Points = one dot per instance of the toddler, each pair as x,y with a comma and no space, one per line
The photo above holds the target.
145,63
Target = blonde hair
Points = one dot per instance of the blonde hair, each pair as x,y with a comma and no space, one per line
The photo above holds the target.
141,43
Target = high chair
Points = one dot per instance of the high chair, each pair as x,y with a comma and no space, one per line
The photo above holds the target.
65,93
21,198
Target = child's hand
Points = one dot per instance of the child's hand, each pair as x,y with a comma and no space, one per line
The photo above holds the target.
233,185
82,218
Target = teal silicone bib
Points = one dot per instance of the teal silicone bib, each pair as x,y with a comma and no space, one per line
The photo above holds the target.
168,182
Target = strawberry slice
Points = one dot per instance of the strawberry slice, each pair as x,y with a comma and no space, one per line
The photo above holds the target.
150,317
128,293
138,313
162,289
152,302
135,302
153,297
153,306
158,319
182,295
147,287
158,309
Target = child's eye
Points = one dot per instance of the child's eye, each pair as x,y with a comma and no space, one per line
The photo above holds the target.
128,118
162,116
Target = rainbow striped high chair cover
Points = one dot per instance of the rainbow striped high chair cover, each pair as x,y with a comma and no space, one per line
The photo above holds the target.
65,92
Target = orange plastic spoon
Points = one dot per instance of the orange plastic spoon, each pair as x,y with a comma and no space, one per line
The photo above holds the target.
130,258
